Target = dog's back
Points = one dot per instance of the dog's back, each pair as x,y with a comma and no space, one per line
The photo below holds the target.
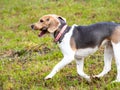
92,35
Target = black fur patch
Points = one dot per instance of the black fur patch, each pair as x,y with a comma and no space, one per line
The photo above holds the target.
92,35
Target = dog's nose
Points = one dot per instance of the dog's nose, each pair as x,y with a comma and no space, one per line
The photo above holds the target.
32,26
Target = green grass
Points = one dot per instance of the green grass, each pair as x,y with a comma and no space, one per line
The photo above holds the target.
26,59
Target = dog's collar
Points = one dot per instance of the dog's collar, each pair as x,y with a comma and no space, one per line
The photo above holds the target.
60,33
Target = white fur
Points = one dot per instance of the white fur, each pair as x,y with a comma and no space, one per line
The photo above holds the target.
116,49
85,52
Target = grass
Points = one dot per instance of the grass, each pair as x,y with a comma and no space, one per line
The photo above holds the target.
26,59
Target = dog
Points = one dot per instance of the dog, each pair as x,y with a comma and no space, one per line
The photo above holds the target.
77,42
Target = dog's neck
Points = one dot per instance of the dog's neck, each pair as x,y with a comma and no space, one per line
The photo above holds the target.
60,32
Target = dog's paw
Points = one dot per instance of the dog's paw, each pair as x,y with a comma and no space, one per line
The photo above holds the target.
88,79
47,77
116,81
96,77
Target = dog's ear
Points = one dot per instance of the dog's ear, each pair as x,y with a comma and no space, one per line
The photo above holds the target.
55,22
62,18
53,25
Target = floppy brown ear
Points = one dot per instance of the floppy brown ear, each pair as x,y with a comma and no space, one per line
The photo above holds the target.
53,25
54,22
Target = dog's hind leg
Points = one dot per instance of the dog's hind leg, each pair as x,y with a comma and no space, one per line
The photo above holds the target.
66,60
108,55
116,49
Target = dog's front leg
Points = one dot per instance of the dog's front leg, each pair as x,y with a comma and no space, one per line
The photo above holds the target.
66,60
79,56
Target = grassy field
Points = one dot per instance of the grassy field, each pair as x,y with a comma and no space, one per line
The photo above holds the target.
25,59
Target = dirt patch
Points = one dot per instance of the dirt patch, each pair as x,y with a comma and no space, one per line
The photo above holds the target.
42,49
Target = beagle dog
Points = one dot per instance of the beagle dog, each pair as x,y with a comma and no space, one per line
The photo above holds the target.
77,42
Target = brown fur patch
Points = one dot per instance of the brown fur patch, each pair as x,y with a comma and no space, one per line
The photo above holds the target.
72,44
116,35
53,23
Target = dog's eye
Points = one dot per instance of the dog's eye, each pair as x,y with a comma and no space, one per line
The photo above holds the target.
41,20
48,19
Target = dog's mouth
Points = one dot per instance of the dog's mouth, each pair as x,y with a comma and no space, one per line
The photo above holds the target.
43,31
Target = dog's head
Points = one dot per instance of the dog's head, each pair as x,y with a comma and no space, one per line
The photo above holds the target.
48,23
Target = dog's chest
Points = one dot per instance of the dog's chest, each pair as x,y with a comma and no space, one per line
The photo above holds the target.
65,44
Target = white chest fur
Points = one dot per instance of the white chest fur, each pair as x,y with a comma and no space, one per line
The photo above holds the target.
65,44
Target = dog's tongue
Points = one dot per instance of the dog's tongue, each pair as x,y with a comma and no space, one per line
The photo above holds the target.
42,33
